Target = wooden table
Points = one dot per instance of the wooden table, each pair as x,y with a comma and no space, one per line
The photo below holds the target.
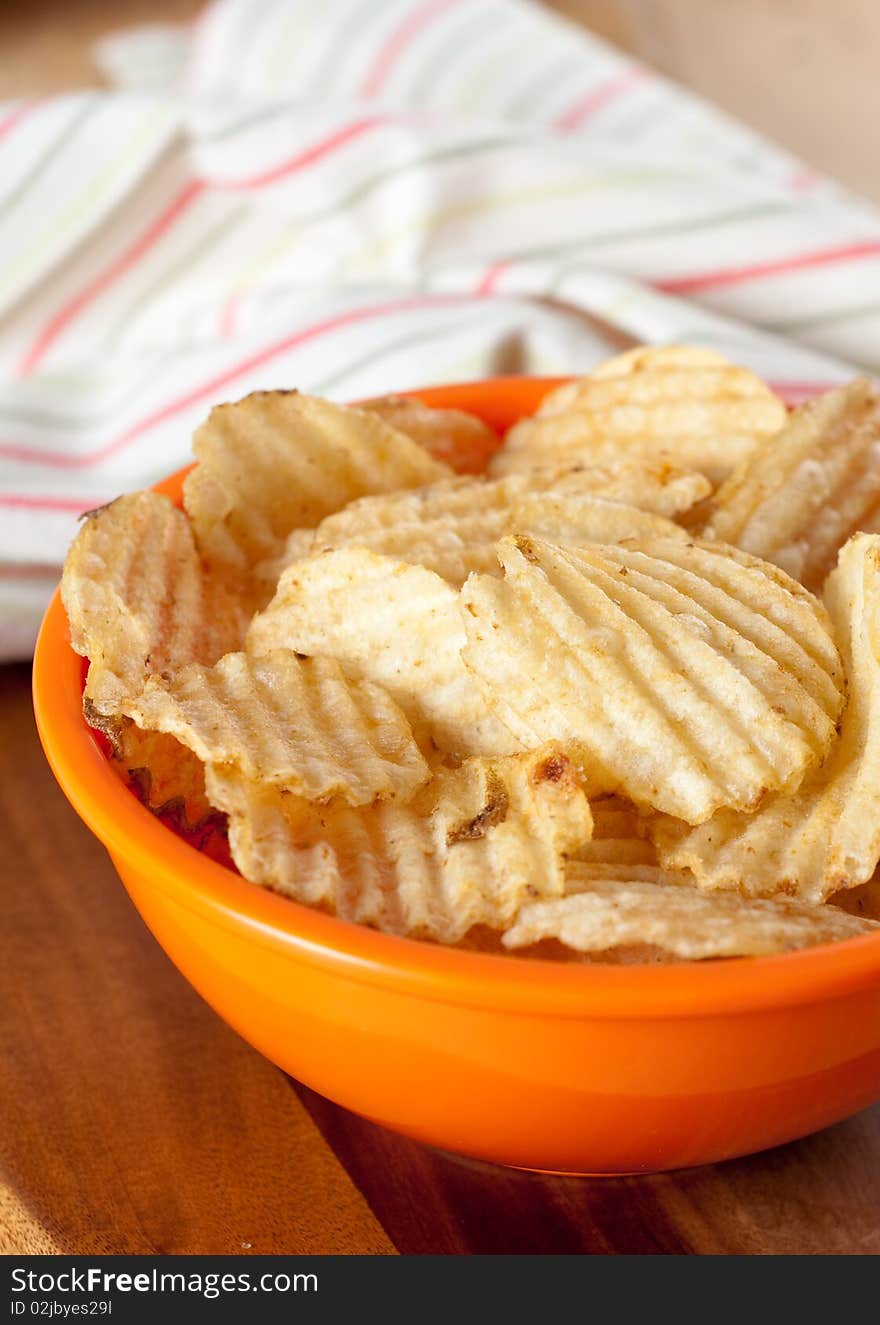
133,1120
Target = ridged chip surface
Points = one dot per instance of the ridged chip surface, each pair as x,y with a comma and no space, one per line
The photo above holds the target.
682,921
692,408
296,722
452,527
800,495
392,623
683,676
138,600
459,440
475,843
278,461
827,835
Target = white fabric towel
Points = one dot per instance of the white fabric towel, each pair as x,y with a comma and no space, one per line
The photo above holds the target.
355,196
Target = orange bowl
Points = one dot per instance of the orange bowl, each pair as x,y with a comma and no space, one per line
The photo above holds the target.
585,1069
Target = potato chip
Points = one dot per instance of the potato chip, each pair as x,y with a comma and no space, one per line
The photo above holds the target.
582,872
392,623
458,439
574,519
681,676
614,817
650,484
619,851
620,836
452,527
164,775
279,460
827,835
474,844
138,601
296,722
690,408
683,921
570,705
298,544
800,495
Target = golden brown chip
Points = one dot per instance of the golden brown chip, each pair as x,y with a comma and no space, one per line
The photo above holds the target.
392,623
279,460
296,722
826,836
650,484
618,851
620,836
452,527
690,408
681,676
138,601
800,495
460,440
574,519
167,777
681,920
527,711
581,872
298,544
449,527
473,845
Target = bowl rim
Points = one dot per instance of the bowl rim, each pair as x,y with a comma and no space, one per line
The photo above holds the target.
133,836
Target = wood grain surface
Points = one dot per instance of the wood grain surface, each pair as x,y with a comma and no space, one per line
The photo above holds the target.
133,1120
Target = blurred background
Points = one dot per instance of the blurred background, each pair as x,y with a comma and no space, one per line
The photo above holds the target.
802,71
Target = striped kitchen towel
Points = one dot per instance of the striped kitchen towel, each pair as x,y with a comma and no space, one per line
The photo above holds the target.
352,196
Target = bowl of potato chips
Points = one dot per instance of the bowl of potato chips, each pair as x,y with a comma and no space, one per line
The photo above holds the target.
503,760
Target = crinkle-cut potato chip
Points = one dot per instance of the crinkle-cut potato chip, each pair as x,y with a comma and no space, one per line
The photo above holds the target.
452,527
652,486
448,526
620,836
485,940
297,722
392,623
650,364
475,843
614,817
618,851
574,519
279,460
138,600
169,780
682,677
681,920
825,836
691,407
165,775
166,778
646,482
298,544
581,872
457,438
800,495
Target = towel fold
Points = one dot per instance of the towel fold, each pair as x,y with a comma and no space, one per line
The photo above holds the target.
356,196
